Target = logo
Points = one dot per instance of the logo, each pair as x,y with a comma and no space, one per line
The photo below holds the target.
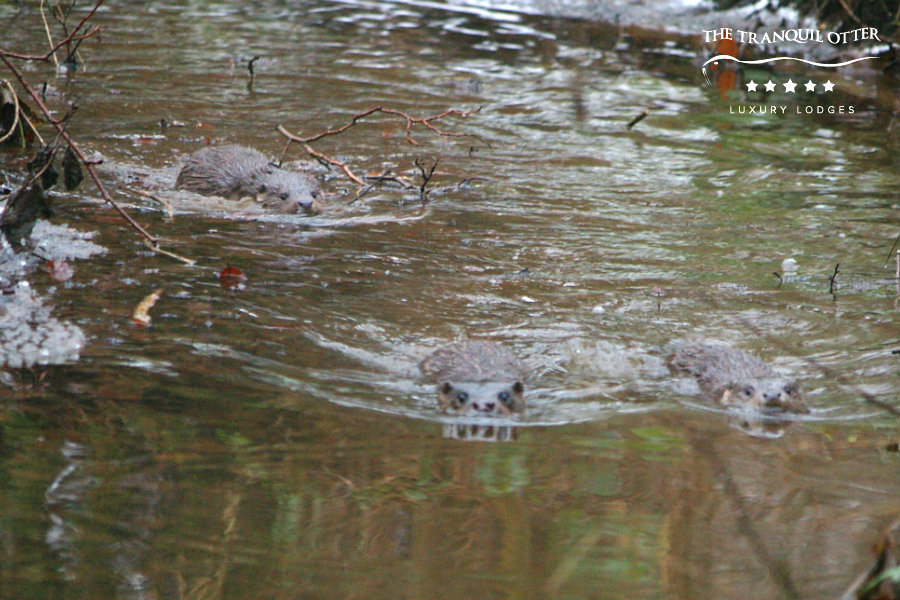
765,91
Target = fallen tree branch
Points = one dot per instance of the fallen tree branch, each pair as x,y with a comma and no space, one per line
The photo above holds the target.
410,121
426,122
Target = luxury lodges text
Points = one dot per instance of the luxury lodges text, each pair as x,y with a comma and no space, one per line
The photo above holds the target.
774,109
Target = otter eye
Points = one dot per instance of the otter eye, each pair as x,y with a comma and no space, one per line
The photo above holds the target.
462,397
748,390
262,189
505,398
283,196
315,195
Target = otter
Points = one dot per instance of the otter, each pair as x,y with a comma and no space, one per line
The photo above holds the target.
476,377
235,172
732,377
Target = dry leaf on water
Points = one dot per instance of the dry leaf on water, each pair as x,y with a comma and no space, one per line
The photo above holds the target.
141,314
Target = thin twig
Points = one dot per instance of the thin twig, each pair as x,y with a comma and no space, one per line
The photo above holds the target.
637,119
23,114
69,38
453,186
368,188
250,66
832,278
399,180
154,247
62,18
893,246
166,204
332,161
47,31
426,176
15,123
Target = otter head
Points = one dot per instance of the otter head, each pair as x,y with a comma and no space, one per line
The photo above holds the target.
287,191
485,397
771,395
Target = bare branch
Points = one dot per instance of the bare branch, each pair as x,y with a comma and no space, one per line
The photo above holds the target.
72,36
426,122
427,174
58,124
410,121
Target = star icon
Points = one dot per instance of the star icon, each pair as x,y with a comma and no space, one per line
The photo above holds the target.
751,87
770,87
829,87
789,87
810,86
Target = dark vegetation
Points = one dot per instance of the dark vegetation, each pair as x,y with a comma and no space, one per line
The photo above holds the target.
841,15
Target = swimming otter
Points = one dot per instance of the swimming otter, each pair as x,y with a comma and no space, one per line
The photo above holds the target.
476,377
236,172
732,377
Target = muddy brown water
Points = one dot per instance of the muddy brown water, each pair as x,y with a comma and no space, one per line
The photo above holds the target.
271,440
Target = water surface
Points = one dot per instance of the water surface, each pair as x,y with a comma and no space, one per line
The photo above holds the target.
272,440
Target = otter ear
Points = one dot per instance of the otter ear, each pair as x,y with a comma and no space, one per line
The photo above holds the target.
518,387
446,387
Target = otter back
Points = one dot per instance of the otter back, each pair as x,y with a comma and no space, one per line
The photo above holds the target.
235,172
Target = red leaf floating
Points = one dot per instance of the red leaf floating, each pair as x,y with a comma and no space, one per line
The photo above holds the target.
231,276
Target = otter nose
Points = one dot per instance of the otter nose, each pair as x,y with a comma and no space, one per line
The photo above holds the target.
311,206
772,397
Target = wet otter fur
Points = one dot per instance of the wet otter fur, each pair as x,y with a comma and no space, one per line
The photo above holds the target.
476,377
733,377
236,172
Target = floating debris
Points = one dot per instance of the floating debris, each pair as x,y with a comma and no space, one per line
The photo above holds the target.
141,314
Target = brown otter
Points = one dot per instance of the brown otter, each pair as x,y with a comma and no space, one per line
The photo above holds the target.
476,377
734,378
236,172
